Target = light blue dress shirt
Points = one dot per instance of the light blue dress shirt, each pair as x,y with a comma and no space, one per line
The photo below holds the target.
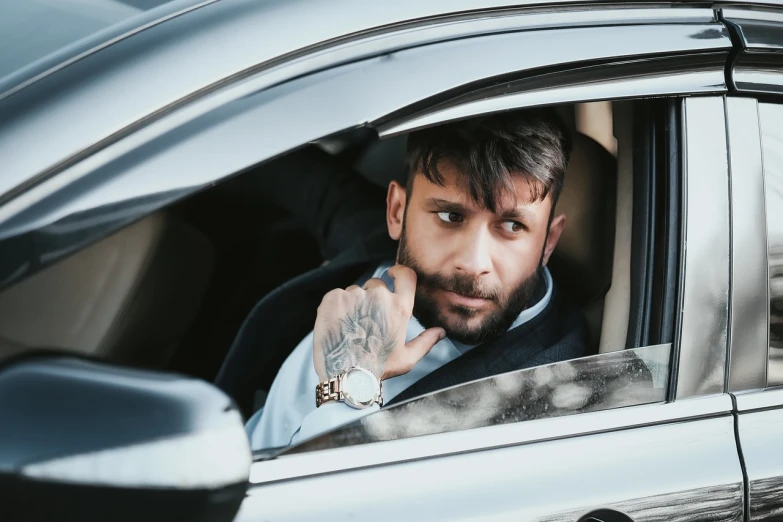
289,414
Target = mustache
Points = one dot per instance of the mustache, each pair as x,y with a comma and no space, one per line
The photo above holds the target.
459,284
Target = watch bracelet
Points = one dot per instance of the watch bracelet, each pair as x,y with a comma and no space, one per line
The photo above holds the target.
327,391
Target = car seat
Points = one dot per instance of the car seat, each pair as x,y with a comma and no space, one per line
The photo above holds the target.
128,298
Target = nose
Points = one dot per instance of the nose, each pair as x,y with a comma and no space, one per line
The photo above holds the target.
473,253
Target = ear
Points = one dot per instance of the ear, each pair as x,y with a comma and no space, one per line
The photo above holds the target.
395,209
555,229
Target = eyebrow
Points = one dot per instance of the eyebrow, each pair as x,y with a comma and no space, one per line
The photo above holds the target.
446,205
453,206
519,213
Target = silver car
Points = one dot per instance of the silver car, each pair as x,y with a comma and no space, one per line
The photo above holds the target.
133,135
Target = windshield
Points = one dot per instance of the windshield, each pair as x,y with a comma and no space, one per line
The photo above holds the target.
32,29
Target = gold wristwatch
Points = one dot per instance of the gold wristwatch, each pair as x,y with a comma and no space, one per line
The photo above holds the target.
357,387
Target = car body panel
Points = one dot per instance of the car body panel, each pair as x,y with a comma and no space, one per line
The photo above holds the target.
227,131
678,471
142,65
298,465
37,69
109,130
749,325
760,433
703,336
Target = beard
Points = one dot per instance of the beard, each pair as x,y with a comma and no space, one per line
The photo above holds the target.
429,313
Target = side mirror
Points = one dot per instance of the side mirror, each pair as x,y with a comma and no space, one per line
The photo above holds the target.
84,441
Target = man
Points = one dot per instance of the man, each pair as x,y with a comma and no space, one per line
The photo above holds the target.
467,295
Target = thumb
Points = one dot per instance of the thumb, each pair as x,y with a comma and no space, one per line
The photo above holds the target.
423,343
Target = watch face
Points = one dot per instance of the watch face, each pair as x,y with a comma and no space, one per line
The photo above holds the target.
360,386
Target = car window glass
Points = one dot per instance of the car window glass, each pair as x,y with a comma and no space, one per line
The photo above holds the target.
35,28
770,116
602,382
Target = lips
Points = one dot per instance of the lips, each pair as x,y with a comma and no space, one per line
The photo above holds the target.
466,301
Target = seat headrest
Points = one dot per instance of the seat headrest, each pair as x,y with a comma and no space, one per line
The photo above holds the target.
583,259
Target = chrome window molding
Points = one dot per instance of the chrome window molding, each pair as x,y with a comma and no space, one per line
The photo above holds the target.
759,74
187,41
460,442
754,13
752,401
758,29
232,129
749,304
704,310
630,79
758,66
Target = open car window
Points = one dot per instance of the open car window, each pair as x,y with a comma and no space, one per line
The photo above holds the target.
629,354
601,382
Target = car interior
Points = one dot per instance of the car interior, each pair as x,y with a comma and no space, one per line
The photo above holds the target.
171,290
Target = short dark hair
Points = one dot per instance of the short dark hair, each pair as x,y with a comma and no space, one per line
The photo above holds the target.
487,151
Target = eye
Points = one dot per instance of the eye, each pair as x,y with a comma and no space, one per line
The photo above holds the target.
512,226
450,217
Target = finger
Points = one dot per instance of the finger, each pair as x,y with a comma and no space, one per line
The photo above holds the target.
423,343
354,290
374,283
404,284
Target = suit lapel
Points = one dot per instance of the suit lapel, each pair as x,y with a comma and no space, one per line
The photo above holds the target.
514,350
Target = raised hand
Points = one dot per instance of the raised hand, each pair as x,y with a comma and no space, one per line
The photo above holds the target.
366,327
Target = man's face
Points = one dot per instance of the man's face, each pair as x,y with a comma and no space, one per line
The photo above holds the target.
477,269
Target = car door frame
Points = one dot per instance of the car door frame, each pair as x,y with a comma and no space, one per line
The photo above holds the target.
697,375
83,182
756,77
102,177
701,376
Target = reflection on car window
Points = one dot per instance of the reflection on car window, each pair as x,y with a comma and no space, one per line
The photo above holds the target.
772,144
601,382
32,29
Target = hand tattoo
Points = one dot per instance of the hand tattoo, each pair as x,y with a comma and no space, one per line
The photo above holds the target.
362,338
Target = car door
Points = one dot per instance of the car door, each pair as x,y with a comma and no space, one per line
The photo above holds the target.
665,453
756,145
562,441
662,450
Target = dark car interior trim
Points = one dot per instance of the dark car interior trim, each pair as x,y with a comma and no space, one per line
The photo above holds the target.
645,187
656,248
673,276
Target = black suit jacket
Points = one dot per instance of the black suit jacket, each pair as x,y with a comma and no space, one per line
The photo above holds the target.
346,215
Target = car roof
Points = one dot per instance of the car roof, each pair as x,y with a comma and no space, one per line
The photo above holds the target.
291,25
95,91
